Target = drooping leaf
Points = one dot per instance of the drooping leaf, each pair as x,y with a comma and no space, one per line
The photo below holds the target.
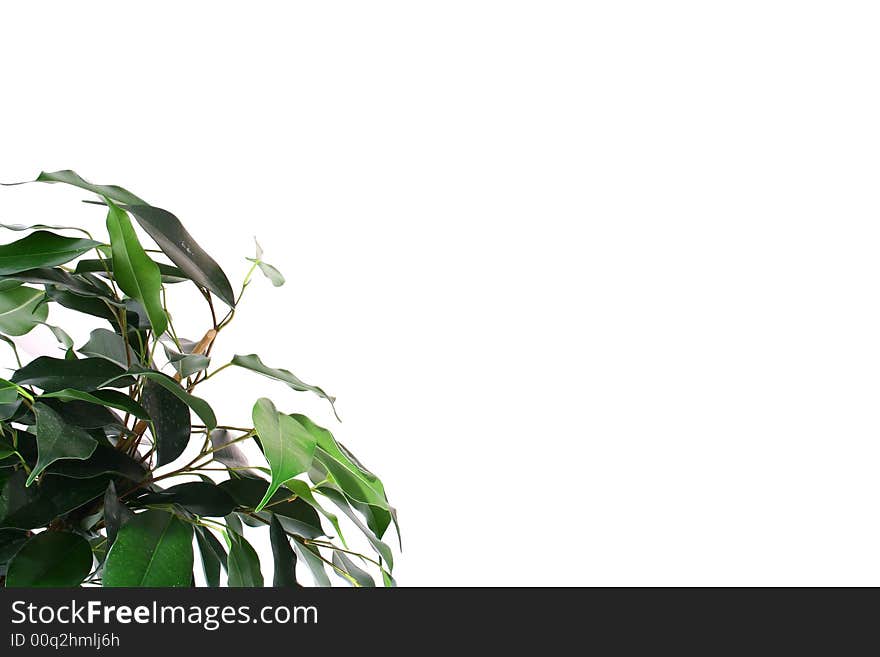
116,514
288,446
21,309
134,271
270,272
285,557
87,305
304,492
344,564
37,506
381,548
316,565
22,227
58,440
171,420
110,345
50,559
61,279
69,177
41,249
296,515
252,362
170,274
153,549
61,335
213,555
85,374
197,404
226,452
110,398
243,564
197,497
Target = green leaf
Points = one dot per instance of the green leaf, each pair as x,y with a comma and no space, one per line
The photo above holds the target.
9,284
110,345
58,440
343,563
78,285
85,374
41,249
230,455
252,362
316,565
170,273
288,446
22,227
21,309
213,555
51,559
197,497
186,364
153,549
37,506
296,515
104,460
11,541
243,564
353,478
110,398
135,273
304,492
200,406
381,548
171,426
116,514
83,414
72,178
285,557
61,335
268,270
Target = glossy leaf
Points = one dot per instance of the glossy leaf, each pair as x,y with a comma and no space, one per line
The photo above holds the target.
58,440
288,446
36,506
50,559
252,362
227,452
86,374
116,514
171,421
197,497
78,285
213,555
186,364
61,335
72,178
110,398
170,274
134,271
381,548
21,309
353,573
285,557
41,249
104,460
316,566
109,345
11,541
153,549
243,563
198,405
296,515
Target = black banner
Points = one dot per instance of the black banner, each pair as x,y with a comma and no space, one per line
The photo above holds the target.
154,621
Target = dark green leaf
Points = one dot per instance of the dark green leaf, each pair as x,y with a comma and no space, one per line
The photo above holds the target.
109,345
353,572
213,555
36,506
288,446
58,440
316,565
296,515
182,249
200,406
83,414
171,421
378,545
197,497
186,364
153,549
86,374
228,453
285,557
41,249
135,273
21,309
116,514
50,559
88,305
243,564
170,274
72,178
252,362
10,542
58,277
110,398
104,460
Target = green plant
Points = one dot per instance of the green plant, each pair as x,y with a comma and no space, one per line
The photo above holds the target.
82,436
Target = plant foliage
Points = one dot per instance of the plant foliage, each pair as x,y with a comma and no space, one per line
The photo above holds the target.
94,489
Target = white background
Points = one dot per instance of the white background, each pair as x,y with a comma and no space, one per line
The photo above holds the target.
596,284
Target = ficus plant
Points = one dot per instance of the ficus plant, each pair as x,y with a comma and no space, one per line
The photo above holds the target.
94,485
